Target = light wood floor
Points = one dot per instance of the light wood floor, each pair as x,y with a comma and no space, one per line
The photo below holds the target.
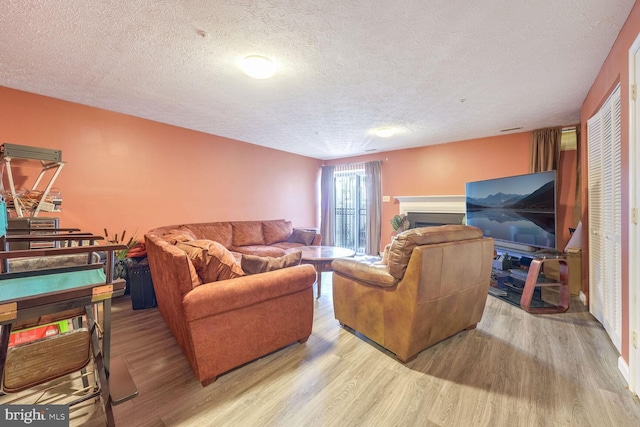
515,369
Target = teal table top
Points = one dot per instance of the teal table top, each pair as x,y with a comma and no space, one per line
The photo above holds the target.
25,287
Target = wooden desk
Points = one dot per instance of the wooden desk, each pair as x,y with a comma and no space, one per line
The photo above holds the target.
320,257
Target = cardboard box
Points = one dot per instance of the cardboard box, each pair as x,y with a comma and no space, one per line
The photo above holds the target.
574,265
574,262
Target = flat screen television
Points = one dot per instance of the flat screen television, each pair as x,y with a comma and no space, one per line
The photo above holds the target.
518,210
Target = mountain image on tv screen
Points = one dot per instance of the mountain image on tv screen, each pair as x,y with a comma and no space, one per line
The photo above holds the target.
519,209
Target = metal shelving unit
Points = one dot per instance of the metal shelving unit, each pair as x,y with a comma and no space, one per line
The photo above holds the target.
50,160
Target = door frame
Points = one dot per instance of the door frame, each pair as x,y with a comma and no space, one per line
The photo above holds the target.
634,234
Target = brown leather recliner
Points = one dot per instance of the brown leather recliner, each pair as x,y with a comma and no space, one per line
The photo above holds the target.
434,285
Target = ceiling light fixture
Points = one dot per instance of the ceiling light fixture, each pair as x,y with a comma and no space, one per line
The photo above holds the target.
385,132
258,67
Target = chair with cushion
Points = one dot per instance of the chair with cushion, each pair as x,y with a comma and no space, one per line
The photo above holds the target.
434,285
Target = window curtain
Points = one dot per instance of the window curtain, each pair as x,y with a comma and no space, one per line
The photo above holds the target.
374,206
327,205
577,210
545,149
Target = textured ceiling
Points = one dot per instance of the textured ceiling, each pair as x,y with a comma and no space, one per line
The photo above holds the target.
437,70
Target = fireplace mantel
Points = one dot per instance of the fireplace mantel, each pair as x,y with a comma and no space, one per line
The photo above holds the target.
434,204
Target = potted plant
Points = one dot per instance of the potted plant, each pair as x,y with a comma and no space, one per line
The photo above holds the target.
122,262
400,223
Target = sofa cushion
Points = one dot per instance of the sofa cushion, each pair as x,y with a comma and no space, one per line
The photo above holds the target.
247,233
252,264
237,256
260,250
302,236
287,245
178,235
217,231
276,231
211,260
249,293
364,270
405,242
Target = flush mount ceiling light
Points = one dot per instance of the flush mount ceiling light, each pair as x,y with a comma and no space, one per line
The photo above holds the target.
258,67
385,132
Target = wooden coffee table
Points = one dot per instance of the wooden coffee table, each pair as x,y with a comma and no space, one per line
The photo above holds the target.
320,257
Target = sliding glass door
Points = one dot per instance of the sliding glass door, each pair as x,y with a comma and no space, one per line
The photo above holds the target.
350,210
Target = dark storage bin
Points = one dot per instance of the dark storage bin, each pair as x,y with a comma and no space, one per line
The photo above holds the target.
141,286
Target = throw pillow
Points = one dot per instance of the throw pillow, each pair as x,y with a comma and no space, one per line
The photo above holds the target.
252,264
276,231
211,260
178,235
302,236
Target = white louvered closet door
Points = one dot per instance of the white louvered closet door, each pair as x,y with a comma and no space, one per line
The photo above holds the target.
605,216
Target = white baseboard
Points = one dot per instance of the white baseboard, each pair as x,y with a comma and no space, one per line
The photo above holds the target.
624,369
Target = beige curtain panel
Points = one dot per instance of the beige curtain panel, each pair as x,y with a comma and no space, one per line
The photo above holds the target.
577,211
545,149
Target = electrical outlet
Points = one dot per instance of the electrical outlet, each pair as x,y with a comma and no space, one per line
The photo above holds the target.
386,198
634,339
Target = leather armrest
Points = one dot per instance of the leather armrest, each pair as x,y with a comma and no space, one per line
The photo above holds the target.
212,298
367,272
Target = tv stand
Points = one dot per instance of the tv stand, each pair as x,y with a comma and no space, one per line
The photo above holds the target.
536,279
529,288
515,247
514,251
547,253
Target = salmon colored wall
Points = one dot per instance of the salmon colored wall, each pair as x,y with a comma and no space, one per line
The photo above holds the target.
444,169
124,172
615,69
566,197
